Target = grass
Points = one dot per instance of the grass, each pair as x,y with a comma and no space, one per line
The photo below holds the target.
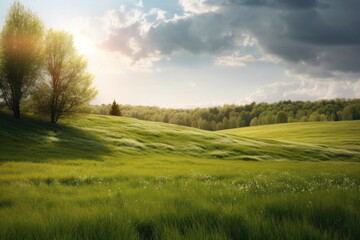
103,177
344,134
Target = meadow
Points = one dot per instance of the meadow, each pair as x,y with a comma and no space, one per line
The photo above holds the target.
345,135
104,177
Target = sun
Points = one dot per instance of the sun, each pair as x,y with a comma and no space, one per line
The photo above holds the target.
83,44
83,36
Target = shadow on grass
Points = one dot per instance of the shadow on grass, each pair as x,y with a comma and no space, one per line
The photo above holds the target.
34,140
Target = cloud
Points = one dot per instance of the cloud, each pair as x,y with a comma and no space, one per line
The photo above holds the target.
198,6
235,60
286,4
317,38
140,4
135,36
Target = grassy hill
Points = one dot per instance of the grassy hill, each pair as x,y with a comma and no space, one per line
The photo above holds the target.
99,137
344,134
104,177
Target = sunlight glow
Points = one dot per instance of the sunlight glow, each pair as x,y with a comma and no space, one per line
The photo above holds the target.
83,44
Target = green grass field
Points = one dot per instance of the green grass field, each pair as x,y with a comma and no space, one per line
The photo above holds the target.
103,177
345,134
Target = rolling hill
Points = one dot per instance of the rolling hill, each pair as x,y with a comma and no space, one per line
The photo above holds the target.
101,137
104,177
343,134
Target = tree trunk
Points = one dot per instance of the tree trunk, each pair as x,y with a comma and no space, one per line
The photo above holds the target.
53,120
16,111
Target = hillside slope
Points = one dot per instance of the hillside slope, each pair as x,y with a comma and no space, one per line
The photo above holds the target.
97,137
343,134
103,177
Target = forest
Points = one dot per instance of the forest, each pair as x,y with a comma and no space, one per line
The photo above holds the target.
234,116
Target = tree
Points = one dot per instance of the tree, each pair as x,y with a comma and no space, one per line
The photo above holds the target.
225,123
219,126
314,117
203,124
20,61
281,117
254,122
323,117
213,125
165,118
347,114
232,122
66,85
351,112
115,109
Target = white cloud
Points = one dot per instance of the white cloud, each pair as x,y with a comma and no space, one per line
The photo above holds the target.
160,14
305,90
230,61
248,40
197,6
155,35
239,61
140,4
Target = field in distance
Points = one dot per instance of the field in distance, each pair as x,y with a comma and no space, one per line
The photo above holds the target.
344,134
104,177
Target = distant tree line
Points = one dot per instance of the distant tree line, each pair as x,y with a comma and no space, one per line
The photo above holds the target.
234,116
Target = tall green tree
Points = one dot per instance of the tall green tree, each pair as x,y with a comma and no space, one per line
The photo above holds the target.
66,85
281,117
20,59
115,109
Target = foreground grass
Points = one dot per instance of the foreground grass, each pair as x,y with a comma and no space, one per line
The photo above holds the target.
112,178
179,198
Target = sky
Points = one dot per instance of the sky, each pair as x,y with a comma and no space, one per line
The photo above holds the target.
200,53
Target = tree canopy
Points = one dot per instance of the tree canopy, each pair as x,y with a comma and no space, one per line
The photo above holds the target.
20,58
115,109
66,85
281,117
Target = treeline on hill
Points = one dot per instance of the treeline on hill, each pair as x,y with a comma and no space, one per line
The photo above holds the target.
234,116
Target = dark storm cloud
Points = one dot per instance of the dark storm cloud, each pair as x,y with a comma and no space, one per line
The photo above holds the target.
193,34
318,38
325,37
288,4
